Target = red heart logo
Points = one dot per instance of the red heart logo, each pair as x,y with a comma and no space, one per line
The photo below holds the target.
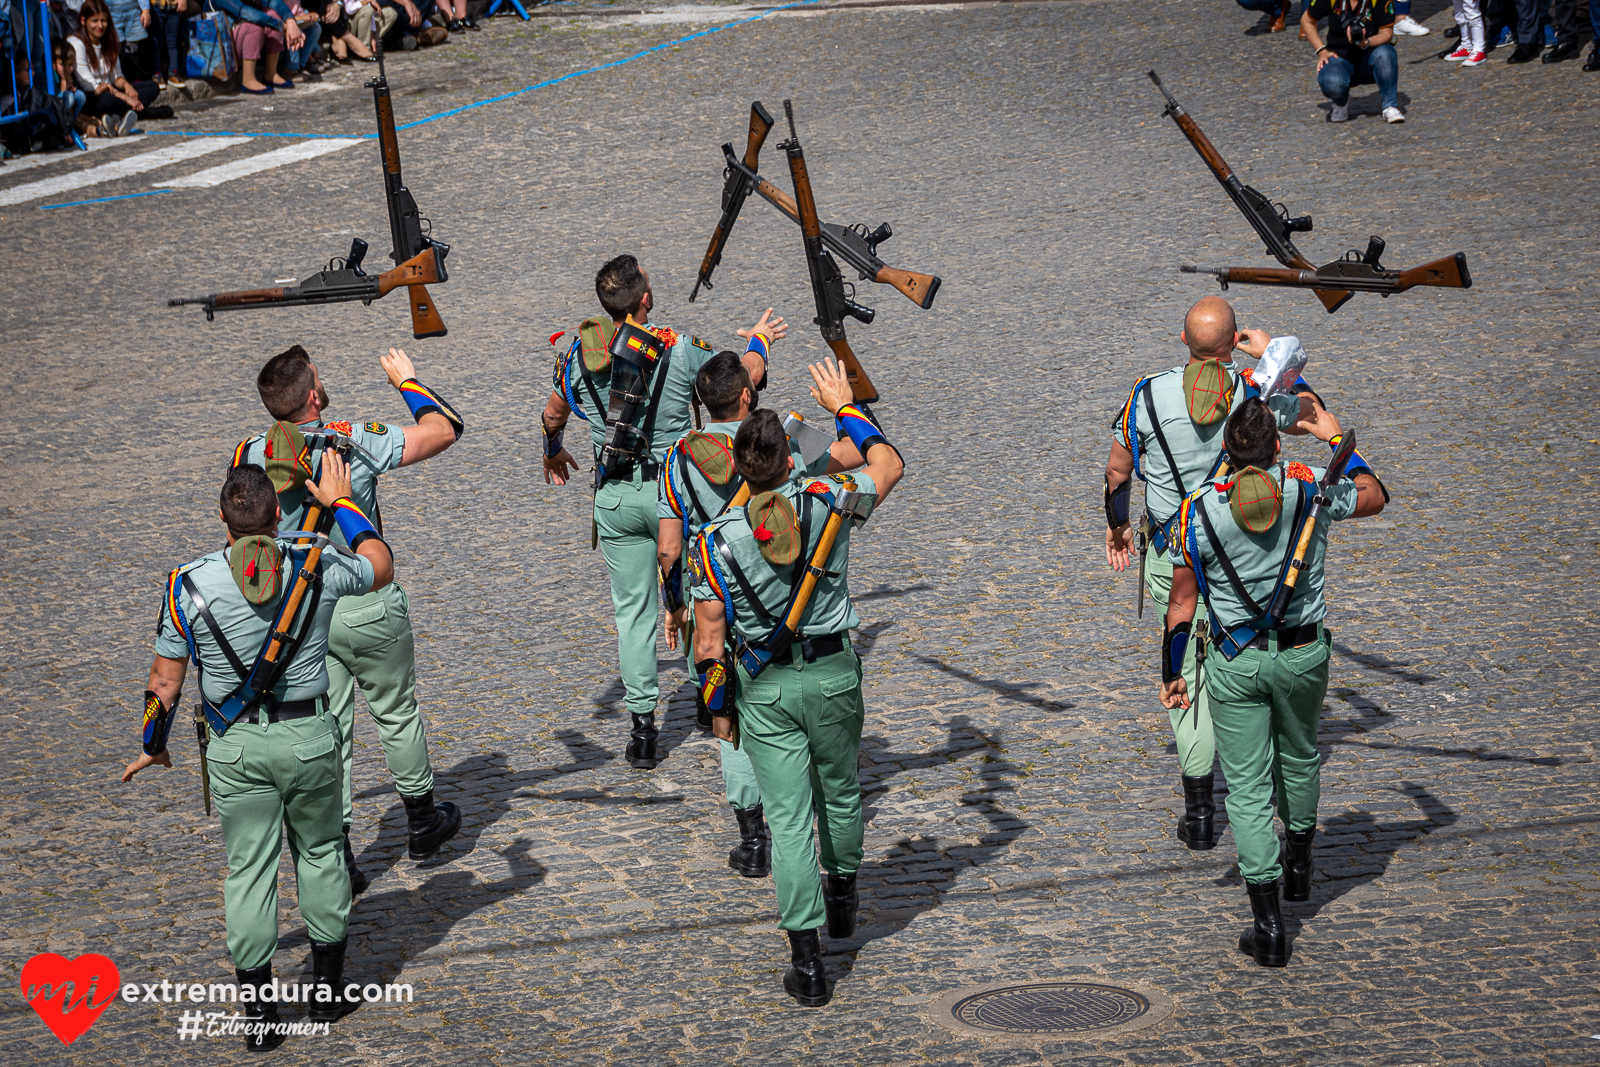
63,991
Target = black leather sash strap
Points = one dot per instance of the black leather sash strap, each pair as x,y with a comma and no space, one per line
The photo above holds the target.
649,470
289,709
1161,439
811,648
216,631
1288,637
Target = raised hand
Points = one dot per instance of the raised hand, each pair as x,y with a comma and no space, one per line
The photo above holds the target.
832,385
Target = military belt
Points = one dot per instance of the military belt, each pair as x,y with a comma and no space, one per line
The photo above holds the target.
1288,636
812,648
648,470
289,709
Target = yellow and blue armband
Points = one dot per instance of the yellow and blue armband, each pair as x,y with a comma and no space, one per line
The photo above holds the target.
761,347
713,676
353,523
157,723
421,400
862,431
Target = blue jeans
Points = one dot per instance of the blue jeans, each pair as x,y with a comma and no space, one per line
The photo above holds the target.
1379,66
298,56
170,32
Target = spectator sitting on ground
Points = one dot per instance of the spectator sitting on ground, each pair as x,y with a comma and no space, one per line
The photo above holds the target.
109,95
260,35
42,128
457,20
69,99
303,58
362,15
412,26
1359,51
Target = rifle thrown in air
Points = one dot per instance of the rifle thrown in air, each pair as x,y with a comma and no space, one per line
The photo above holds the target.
855,244
827,284
419,260
1334,283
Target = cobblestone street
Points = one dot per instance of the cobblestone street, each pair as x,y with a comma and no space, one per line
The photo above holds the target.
1020,786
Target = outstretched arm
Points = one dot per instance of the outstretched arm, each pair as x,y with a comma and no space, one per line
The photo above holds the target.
771,328
434,432
831,388
332,490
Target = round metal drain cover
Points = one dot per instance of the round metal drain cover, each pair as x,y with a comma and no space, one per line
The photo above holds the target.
1042,1010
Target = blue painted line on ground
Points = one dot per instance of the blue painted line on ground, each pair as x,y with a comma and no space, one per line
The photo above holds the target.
520,92
102,200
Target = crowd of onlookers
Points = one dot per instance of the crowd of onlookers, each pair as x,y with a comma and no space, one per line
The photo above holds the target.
111,59
1358,48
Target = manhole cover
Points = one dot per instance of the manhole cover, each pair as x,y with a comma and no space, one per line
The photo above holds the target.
1050,1009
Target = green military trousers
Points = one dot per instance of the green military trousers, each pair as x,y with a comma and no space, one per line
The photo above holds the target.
739,777
268,778
1267,705
800,724
625,514
1191,726
370,644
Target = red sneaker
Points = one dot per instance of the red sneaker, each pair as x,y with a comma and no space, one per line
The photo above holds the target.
1476,59
1459,55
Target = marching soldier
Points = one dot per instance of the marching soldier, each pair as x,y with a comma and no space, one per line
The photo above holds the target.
772,575
635,407
1169,434
696,484
276,766
1251,548
370,642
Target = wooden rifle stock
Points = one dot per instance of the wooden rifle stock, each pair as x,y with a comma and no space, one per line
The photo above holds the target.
304,576
760,125
248,297
860,385
415,274
1447,273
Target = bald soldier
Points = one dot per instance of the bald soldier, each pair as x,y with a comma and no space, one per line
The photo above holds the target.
1169,434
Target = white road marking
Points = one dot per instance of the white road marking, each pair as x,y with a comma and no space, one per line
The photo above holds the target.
243,168
122,168
39,159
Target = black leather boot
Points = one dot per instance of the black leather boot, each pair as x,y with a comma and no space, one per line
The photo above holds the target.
1297,865
431,824
257,1013
753,857
1195,827
806,980
840,901
358,879
1266,940
642,742
327,970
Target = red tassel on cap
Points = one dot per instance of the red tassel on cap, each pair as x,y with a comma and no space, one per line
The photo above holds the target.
762,533
250,569
557,336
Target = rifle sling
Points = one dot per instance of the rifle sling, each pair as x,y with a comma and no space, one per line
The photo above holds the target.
1161,439
801,562
1256,611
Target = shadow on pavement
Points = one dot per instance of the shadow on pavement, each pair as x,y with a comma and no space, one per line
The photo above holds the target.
913,874
1354,848
1015,692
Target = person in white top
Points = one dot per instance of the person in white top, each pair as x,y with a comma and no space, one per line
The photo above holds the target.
98,71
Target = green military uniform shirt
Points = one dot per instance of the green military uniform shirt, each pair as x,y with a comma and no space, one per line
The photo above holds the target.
829,611
1195,448
246,625
672,417
1258,558
684,492
387,445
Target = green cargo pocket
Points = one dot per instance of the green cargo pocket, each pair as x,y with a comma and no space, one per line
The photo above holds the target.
224,752
306,751
366,614
843,695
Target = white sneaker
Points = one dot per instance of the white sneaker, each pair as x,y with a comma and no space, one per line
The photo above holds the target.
1339,113
1410,27
1393,114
